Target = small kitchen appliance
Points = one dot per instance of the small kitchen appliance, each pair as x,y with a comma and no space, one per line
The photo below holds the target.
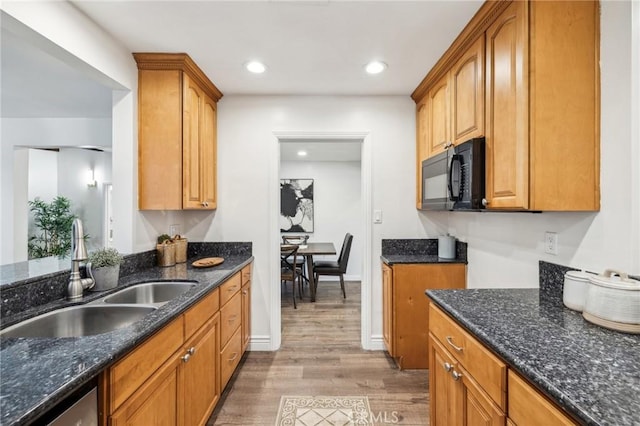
455,179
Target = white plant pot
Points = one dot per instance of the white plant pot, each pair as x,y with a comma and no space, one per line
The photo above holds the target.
105,277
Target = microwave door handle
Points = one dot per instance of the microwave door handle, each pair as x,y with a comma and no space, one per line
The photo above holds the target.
454,184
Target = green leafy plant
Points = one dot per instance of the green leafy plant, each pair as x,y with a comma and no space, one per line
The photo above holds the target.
105,257
162,238
53,221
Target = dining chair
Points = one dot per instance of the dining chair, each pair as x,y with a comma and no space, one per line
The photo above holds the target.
288,269
301,260
336,267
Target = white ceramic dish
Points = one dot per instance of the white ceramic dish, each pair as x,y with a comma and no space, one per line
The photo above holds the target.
574,291
613,301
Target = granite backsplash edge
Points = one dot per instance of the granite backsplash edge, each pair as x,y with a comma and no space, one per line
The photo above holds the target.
23,295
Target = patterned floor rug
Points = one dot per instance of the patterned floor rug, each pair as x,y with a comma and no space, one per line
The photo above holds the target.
323,411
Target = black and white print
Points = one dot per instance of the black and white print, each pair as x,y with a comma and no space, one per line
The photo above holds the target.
296,205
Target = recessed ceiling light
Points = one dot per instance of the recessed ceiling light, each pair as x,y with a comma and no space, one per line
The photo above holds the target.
375,67
255,67
302,153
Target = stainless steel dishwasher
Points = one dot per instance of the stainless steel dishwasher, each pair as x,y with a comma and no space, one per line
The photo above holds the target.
83,413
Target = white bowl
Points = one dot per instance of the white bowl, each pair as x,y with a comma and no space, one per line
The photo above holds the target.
574,291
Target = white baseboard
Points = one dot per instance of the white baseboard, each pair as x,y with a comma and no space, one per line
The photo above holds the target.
376,343
260,343
336,278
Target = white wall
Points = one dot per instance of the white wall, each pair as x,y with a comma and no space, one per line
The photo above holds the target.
246,126
337,205
64,32
504,248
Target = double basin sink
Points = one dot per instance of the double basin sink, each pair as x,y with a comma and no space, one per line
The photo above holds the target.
115,311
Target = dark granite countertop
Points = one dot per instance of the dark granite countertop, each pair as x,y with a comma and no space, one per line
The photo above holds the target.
393,259
396,251
38,373
591,372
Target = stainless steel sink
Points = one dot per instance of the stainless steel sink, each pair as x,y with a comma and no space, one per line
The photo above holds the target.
156,293
77,321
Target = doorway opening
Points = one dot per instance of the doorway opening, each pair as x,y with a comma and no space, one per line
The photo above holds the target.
340,166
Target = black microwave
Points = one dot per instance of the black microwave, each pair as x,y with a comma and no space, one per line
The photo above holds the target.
455,179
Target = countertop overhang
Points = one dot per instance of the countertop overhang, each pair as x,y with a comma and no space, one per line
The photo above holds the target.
591,372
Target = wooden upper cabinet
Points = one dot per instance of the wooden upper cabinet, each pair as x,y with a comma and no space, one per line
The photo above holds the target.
422,127
524,74
467,94
507,143
177,133
439,131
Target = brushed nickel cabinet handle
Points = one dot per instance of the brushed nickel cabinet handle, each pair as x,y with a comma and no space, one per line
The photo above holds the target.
447,366
450,342
186,358
191,351
456,375
233,358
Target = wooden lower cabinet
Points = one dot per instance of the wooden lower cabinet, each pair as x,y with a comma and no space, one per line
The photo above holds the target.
177,375
405,316
469,385
200,374
528,407
246,315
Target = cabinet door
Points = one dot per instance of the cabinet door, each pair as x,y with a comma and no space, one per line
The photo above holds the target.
507,137
477,408
246,315
422,127
443,392
467,94
192,197
439,117
387,309
156,402
201,373
208,146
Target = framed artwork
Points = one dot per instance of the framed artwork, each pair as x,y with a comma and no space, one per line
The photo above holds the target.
296,205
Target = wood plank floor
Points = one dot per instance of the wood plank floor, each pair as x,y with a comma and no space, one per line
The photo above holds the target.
321,355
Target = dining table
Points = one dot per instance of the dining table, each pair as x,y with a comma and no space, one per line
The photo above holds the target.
308,251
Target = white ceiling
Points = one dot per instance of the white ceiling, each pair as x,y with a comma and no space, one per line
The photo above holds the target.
35,83
308,46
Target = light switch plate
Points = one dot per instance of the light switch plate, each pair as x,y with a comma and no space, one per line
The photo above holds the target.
377,216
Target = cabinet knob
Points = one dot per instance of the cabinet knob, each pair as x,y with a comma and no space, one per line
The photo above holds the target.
485,202
191,351
456,375
205,204
447,366
186,358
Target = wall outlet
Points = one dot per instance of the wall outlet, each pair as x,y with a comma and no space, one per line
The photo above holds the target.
551,243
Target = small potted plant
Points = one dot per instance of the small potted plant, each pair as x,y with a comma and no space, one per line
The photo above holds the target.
166,251
105,267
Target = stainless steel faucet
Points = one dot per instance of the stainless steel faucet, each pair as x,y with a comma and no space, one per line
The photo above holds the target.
78,254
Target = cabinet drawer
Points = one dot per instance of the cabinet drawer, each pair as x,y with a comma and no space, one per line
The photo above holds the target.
488,370
230,357
229,288
527,406
195,317
246,274
128,374
230,318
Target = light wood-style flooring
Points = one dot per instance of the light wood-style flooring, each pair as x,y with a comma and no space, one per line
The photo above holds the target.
321,355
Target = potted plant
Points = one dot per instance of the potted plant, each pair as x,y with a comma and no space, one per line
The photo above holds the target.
166,251
53,227
105,267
